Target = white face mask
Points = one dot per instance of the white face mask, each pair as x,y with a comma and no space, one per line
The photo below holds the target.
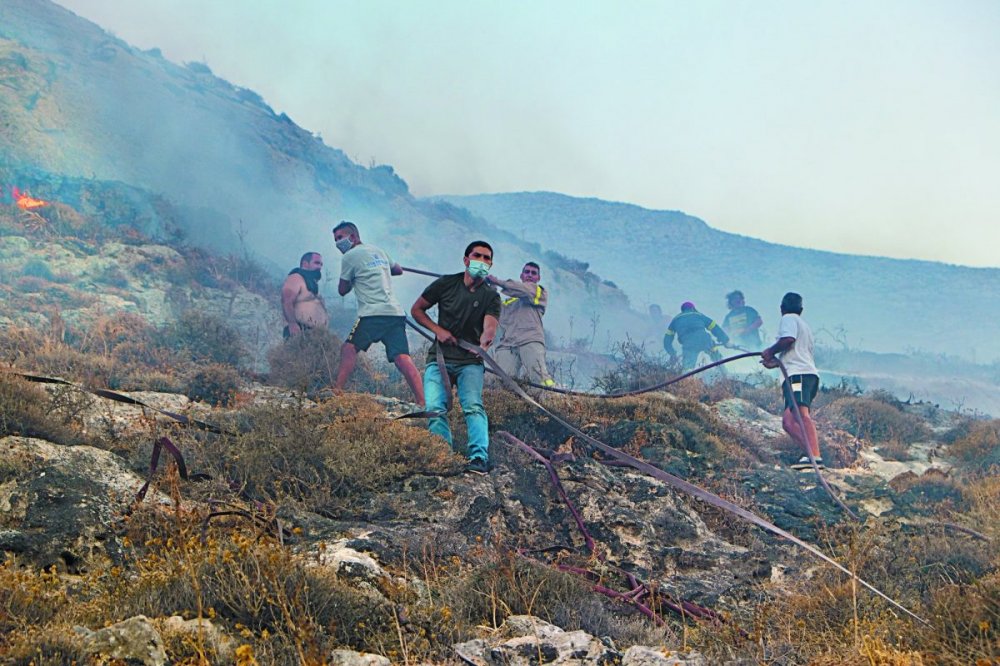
344,244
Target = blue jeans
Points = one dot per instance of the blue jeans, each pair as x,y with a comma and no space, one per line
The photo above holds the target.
469,379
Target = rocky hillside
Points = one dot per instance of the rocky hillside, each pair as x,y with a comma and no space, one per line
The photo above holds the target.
302,530
78,105
298,527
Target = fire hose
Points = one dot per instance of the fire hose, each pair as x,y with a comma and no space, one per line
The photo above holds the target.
623,458
495,369
655,472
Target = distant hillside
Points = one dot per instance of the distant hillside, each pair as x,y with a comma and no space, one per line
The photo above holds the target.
78,105
667,257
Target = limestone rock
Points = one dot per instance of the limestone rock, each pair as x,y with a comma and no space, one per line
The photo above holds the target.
640,655
58,503
533,641
134,639
201,630
352,658
106,415
351,564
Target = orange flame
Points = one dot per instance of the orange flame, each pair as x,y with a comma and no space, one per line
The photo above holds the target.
25,200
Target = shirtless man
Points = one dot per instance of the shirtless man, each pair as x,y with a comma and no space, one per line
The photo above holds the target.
301,303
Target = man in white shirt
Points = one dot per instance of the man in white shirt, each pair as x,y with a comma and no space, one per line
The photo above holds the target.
795,346
368,270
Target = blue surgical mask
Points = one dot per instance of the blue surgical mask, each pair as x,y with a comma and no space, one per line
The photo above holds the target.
478,269
344,244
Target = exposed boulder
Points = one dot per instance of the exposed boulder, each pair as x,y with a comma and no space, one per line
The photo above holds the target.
352,658
58,503
199,631
640,655
524,640
640,523
134,639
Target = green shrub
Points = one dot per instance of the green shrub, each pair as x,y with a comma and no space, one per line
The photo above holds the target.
37,268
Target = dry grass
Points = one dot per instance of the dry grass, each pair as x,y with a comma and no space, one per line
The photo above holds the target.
979,449
27,410
821,617
876,420
320,457
654,426
307,362
330,457
286,609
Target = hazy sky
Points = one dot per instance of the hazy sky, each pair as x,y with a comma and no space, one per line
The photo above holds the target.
863,126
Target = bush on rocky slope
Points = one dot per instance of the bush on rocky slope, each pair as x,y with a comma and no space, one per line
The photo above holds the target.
877,419
318,456
25,409
978,446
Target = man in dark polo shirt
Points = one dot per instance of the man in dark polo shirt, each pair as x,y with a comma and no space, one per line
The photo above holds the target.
469,310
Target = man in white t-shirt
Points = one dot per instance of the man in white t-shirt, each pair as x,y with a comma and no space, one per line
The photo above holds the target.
368,270
795,346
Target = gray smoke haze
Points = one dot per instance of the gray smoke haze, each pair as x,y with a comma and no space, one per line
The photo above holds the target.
248,179
244,174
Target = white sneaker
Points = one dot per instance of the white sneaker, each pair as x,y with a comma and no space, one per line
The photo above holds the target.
804,465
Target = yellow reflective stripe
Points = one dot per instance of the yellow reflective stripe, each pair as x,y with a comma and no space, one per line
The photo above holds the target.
711,326
510,300
538,294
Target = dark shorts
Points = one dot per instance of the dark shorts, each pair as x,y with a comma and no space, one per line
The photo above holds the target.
804,389
390,331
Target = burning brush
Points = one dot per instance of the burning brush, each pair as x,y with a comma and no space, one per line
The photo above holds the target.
25,201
